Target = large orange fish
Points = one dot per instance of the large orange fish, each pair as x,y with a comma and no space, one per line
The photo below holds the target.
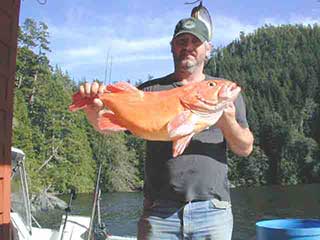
171,115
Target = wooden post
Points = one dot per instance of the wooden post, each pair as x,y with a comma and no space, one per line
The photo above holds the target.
9,20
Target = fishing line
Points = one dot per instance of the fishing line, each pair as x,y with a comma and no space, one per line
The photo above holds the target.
193,2
42,2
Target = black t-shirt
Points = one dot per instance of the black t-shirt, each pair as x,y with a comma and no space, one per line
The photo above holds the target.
201,172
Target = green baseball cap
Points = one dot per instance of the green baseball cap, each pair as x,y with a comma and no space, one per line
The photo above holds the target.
193,26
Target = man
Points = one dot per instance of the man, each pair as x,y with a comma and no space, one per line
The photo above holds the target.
187,197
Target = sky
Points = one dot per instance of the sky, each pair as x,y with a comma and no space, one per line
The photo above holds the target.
120,40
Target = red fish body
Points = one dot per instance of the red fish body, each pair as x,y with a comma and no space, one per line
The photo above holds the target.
172,115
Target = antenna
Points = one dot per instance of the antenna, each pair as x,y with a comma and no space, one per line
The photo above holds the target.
106,68
110,70
108,65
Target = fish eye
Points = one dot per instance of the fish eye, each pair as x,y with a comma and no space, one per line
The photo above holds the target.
212,84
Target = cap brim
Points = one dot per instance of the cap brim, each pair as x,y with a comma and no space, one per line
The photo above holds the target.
201,38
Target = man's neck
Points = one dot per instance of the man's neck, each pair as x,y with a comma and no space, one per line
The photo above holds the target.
187,77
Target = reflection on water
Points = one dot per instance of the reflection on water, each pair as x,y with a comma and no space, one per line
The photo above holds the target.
120,211
253,204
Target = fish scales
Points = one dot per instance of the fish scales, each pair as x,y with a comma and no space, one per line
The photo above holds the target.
144,114
170,115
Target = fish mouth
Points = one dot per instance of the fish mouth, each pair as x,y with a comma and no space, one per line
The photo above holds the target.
206,101
211,106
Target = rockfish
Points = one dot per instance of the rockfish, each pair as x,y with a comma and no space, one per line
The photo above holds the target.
171,115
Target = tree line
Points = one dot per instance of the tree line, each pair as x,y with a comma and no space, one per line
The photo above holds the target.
278,69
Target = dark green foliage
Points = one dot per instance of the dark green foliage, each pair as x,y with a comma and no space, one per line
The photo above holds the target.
279,71
252,170
119,162
62,149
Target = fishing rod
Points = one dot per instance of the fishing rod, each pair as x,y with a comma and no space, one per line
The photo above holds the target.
68,210
98,209
193,2
42,2
95,200
100,231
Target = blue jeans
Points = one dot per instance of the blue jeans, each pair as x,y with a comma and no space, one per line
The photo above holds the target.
168,220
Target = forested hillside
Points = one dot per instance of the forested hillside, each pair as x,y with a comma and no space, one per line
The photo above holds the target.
277,67
279,71
62,149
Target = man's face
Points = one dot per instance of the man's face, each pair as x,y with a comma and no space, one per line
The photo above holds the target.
189,52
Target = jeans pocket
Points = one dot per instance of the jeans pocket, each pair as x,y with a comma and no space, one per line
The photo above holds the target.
218,204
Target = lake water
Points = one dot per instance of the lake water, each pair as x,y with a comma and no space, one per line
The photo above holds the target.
120,211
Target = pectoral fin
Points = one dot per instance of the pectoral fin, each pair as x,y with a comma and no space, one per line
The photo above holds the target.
180,145
181,125
108,122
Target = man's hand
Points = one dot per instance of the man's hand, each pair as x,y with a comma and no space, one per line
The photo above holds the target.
93,90
239,139
94,110
228,93
229,115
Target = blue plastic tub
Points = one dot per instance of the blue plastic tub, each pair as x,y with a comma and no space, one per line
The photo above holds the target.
285,229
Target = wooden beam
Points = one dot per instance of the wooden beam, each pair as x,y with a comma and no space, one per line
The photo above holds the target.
9,20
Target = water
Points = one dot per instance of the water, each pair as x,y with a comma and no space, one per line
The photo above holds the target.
120,211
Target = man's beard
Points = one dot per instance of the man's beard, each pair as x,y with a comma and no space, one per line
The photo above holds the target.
183,62
188,65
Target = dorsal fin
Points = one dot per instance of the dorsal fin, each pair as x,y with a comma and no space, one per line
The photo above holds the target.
79,102
121,87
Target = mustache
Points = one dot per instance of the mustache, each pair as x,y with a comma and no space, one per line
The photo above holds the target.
188,52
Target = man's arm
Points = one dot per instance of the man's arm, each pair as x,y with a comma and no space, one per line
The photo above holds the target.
240,139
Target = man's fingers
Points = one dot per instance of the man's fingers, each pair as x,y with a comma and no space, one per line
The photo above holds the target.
82,91
229,92
91,89
98,104
102,88
225,92
94,89
87,89
234,93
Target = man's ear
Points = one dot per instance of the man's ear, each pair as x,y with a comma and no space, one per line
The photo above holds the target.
209,48
171,46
